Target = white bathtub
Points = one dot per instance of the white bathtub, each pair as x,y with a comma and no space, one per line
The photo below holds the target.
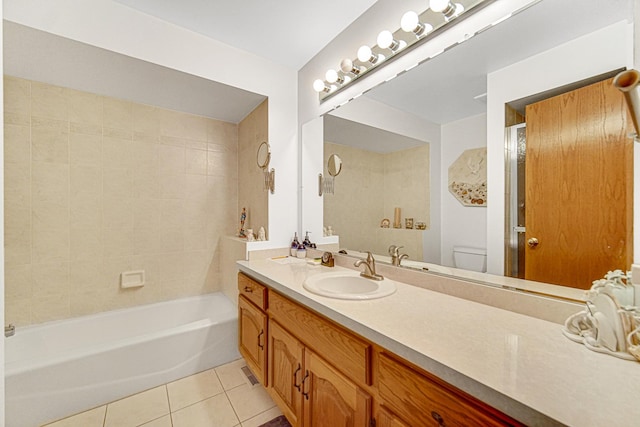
60,368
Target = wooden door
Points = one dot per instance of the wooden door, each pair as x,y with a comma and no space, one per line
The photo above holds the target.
330,399
286,372
579,178
252,337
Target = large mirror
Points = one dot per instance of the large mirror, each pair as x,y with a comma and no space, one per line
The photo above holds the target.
446,104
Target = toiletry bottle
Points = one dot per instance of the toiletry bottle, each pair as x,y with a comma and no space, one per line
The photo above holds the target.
302,251
306,242
294,245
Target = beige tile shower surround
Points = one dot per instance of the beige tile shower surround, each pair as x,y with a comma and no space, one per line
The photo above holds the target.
373,181
95,186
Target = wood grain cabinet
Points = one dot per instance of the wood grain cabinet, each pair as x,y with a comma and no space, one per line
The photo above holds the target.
308,390
322,375
252,328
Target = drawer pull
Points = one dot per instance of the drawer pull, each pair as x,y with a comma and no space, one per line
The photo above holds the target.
304,393
295,377
436,416
248,289
259,340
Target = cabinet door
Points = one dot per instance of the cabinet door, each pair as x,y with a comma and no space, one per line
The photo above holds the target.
285,372
252,328
387,419
330,399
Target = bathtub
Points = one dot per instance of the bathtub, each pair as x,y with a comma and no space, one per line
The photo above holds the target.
60,368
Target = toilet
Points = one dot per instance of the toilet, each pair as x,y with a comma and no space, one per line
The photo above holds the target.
466,258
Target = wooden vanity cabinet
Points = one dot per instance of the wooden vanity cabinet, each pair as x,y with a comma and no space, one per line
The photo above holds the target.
252,325
322,375
309,390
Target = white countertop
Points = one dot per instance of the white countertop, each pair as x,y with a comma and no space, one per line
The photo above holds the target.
518,364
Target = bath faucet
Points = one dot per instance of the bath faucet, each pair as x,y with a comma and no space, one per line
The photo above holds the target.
369,267
396,258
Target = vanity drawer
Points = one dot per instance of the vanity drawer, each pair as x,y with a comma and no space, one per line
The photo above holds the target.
252,290
418,400
348,353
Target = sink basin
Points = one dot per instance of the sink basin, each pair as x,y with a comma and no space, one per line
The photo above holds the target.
348,285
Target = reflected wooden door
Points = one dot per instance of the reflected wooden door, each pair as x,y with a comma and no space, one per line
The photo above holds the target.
579,178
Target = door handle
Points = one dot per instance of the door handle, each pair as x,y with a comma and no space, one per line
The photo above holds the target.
259,340
295,377
532,242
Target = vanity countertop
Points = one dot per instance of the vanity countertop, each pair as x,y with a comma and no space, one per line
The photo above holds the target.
518,364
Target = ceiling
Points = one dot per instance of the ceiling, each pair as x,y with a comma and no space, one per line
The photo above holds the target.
289,32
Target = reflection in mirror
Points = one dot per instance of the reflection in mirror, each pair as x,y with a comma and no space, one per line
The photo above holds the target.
535,51
334,165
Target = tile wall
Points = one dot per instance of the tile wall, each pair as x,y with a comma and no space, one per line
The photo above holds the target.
368,189
95,186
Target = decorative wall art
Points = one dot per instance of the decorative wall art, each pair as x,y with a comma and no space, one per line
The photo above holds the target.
468,177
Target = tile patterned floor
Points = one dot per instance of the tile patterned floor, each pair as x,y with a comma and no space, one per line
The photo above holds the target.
220,397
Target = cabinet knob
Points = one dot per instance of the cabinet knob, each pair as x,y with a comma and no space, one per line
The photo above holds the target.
436,416
248,289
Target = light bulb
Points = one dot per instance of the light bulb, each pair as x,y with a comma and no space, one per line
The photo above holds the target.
385,39
332,76
409,22
346,65
319,86
459,8
439,5
364,53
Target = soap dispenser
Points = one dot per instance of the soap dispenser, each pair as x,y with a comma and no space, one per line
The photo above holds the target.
307,242
294,245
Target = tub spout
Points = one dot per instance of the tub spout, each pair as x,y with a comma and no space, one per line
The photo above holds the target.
10,330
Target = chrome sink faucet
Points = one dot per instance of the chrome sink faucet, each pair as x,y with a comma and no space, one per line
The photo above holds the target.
396,258
369,267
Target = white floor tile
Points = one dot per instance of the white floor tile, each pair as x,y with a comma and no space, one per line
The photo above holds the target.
215,411
262,418
249,401
231,374
193,389
138,409
160,422
92,418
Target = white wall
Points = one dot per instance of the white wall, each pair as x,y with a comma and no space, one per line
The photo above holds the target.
461,224
113,26
588,56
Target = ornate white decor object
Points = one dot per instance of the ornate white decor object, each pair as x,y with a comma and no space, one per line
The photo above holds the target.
468,177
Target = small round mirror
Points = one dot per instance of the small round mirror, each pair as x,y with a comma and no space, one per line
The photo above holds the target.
264,155
334,166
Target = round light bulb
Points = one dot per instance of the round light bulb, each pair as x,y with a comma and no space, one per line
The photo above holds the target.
459,8
331,76
410,22
346,65
385,39
438,5
364,53
319,86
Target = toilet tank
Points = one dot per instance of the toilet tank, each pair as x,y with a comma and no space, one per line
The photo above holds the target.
466,258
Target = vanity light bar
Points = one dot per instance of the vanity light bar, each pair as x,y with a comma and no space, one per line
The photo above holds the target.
414,28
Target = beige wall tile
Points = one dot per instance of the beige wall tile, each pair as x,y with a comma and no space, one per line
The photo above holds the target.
18,282
118,114
85,149
17,144
49,140
17,96
48,101
84,108
95,186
